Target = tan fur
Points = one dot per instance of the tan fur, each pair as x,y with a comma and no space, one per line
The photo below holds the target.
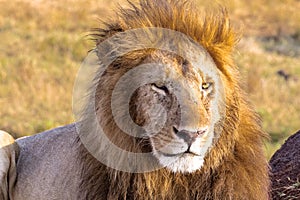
235,167
5,139
8,154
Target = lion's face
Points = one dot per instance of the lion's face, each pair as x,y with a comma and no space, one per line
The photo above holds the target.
178,115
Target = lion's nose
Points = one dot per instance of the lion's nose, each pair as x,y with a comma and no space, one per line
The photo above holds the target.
189,136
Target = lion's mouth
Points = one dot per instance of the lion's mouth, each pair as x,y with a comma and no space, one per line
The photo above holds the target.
186,153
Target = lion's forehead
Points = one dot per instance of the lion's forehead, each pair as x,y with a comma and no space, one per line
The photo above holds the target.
185,74
175,66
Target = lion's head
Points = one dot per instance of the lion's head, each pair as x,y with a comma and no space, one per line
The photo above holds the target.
165,101
172,90
156,101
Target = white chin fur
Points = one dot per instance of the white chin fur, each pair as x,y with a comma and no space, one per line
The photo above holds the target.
186,163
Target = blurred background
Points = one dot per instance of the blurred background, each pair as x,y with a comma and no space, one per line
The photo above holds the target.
43,42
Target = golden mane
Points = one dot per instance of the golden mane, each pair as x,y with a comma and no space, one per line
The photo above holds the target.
235,168
213,31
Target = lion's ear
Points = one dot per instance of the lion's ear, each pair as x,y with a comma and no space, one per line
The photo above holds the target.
101,34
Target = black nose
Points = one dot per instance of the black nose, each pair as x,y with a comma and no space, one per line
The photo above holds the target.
188,136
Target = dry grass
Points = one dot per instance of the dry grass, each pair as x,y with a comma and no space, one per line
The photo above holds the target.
43,43
290,192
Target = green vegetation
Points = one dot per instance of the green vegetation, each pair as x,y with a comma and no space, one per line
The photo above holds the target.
44,42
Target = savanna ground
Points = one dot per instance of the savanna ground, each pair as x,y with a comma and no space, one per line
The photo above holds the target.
43,42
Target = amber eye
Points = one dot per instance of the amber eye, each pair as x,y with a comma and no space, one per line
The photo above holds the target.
206,86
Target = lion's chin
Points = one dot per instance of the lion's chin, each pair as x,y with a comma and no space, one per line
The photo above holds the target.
182,163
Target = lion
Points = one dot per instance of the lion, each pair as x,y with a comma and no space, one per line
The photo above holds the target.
209,146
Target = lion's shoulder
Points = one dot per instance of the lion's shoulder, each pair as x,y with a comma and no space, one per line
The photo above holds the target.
61,136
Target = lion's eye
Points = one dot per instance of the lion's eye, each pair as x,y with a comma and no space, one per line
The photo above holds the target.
206,86
161,89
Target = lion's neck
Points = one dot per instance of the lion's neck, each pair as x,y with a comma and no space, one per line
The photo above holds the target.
101,182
